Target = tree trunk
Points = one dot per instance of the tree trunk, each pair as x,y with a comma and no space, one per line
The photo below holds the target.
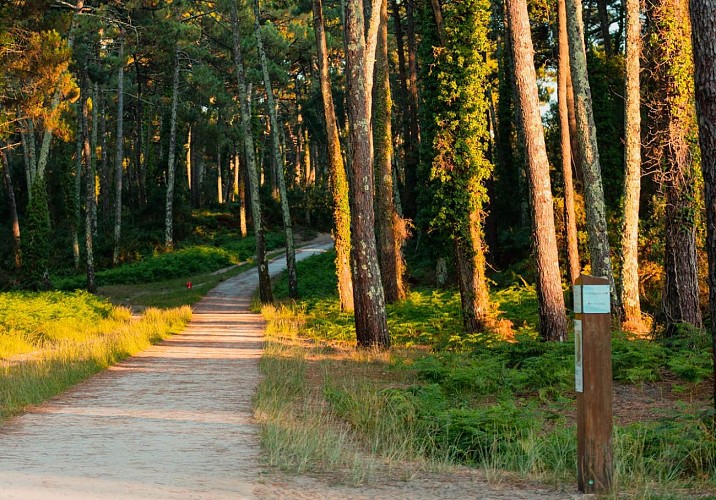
703,25
89,183
13,208
402,94
370,316
171,167
76,196
188,148
412,154
120,155
105,183
253,175
95,150
240,191
573,266
55,103
219,181
553,322
604,23
277,163
599,251
339,181
141,167
631,306
389,227
673,116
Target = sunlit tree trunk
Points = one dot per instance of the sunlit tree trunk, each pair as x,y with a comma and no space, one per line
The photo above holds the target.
278,165
369,301
673,117
562,88
629,288
171,167
119,159
337,171
553,322
588,152
253,175
389,227
703,19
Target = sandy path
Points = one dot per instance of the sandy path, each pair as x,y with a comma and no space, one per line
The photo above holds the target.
176,421
172,422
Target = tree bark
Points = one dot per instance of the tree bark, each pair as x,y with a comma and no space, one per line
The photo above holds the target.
171,167
703,25
370,316
390,230
265,294
105,183
588,151
553,322
89,183
5,165
47,135
119,159
337,171
604,25
631,306
402,95
573,266
673,116
277,163
412,154
77,185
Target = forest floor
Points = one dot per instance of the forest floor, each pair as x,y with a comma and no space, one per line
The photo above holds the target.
176,421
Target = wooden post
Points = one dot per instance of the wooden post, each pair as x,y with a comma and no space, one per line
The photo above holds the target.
593,383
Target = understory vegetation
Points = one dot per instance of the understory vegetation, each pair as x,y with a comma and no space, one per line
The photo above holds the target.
504,402
52,340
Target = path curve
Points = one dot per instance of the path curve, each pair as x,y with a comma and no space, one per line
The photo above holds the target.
174,421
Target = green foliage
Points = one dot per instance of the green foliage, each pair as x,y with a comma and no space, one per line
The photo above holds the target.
36,240
181,263
454,134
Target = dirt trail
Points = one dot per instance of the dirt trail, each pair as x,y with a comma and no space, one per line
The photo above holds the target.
176,421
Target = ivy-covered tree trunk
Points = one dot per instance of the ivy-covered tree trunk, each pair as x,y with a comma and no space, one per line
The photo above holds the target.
390,229
673,116
629,288
599,250
119,158
10,190
573,265
171,155
276,158
553,322
369,301
337,171
703,25
454,165
265,294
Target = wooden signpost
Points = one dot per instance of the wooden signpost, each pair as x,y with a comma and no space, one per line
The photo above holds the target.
593,383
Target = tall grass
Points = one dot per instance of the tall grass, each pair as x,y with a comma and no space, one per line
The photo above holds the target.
442,397
51,340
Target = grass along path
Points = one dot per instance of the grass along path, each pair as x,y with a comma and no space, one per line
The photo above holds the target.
174,421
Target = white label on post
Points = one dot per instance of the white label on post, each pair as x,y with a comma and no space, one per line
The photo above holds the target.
577,299
595,299
578,359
